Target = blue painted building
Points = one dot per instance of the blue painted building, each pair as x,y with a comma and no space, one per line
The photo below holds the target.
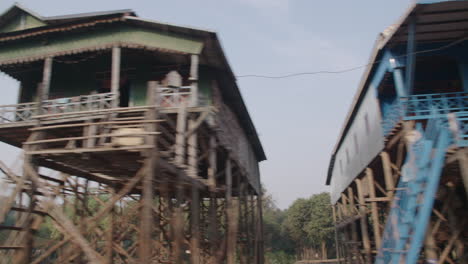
399,171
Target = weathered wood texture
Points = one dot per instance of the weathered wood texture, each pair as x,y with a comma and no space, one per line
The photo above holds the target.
233,138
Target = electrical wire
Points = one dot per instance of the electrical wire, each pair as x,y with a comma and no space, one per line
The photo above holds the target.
349,69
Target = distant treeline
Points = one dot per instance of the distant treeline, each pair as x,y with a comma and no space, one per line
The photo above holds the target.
304,231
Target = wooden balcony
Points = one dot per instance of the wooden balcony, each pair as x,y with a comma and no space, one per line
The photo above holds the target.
25,112
17,114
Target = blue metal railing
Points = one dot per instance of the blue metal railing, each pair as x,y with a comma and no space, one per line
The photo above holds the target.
461,120
423,106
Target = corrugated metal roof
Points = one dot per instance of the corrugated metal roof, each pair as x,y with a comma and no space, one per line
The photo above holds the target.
67,18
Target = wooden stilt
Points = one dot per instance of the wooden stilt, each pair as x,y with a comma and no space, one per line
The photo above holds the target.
231,216
180,135
260,252
463,161
387,170
351,212
146,222
192,152
212,169
374,208
178,225
110,232
195,222
363,220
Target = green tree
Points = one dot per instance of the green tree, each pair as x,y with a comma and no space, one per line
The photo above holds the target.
279,247
310,225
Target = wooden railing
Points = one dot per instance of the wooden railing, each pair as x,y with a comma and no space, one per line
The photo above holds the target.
78,103
174,97
17,112
26,111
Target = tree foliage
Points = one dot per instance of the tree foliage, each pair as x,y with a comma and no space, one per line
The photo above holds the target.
305,228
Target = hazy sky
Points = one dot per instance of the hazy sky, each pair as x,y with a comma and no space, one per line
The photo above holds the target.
298,119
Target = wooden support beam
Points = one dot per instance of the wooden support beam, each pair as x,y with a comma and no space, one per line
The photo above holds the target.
374,209
194,79
212,168
110,231
337,244
233,220
463,161
195,227
344,202
252,228
94,220
387,170
115,74
363,220
352,207
260,251
146,221
178,224
180,136
46,78
192,152
62,220
430,246
231,215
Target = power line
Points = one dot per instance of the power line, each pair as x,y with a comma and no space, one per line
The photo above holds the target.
348,69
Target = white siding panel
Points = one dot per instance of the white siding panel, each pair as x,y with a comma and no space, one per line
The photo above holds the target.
370,144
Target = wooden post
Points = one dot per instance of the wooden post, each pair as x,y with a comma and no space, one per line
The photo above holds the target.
192,151
389,181
24,255
352,207
178,223
430,246
344,202
251,227
115,74
110,231
463,163
194,79
245,223
374,208
337,246
152,158
231,215
180,135
213,226
195,222
46,77
212,164
363,218
260,251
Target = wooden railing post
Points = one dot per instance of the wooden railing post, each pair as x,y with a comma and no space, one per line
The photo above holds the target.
194,79
115,75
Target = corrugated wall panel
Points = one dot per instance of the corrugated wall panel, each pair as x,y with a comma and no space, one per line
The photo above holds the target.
361,145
